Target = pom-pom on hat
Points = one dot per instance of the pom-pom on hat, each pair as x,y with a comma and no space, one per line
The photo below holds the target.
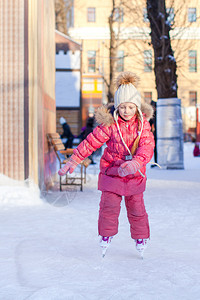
126,84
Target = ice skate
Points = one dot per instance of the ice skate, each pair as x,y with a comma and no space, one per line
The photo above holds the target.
141,245
105,243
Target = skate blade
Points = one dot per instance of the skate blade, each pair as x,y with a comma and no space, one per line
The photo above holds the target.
104,253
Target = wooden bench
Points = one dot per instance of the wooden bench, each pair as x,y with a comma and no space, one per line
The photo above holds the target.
63,156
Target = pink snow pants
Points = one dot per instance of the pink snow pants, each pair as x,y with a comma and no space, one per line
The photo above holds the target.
109,210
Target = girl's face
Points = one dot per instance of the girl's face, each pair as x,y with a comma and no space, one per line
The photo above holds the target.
127,110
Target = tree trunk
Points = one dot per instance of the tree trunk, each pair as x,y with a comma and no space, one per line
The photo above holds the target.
164,61
169,120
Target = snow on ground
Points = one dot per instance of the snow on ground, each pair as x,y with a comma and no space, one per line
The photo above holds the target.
49,247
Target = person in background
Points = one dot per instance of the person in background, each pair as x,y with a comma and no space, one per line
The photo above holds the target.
90,124
196,151
88,129
66,133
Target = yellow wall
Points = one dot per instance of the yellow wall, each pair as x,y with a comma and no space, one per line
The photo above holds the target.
185,36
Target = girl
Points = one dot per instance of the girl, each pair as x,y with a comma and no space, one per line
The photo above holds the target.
130,146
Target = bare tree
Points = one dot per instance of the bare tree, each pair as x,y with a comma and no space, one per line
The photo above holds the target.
176,21
63,9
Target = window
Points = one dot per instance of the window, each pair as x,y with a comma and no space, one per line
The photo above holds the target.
192,14
147,60
91,14
145,17
148,97
91,61
70,15
192,98
120,61
118,14
192,61
170,12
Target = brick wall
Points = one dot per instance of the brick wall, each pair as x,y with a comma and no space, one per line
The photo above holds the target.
27,94
12,89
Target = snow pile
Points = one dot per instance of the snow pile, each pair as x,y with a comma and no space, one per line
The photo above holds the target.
14,192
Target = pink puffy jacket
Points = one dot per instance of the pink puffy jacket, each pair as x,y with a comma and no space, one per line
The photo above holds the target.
115,152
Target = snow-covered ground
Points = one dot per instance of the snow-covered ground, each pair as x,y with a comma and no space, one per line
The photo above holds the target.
49,247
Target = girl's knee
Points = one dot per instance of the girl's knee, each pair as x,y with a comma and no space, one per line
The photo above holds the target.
135,205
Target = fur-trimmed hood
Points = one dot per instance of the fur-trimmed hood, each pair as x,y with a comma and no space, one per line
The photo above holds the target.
104,115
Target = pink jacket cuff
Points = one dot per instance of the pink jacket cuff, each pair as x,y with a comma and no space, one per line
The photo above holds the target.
75,159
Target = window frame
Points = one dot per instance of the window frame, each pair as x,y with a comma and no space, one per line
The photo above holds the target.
192,61
147,65
192,16
118,14
146,98
145,15
171,15
120,61
91,66
91,14
70,16
192,100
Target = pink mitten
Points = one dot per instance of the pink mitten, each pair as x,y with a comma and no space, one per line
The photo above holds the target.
69,167
128,168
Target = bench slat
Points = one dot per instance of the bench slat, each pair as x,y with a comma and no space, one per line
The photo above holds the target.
56,141
54,135
68,151
59,147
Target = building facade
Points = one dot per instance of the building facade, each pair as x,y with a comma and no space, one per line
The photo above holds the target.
90,26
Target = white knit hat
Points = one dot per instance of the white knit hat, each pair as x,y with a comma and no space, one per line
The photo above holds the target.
127,93
62,121
126,90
